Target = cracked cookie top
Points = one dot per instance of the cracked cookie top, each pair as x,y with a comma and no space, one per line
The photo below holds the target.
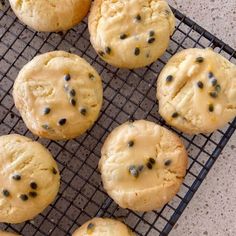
130,33
59,95
29,178
142,165
197,91
104,227
50,15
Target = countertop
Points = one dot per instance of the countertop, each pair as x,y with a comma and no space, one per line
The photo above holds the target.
212,211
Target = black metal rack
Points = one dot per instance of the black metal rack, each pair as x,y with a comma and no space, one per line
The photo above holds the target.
128,94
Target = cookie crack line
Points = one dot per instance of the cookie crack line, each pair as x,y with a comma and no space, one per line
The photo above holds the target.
186,82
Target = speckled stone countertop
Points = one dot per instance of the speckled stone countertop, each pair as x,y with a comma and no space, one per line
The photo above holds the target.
212,211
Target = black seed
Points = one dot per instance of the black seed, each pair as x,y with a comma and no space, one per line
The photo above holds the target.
169,78
218,88
5,193
149,165
101,53
33,194
138,17
24,197
108,50
175,115
90,226
67,77
33,185
131,143
72,102
210,75
45,126
123,36
72,93
83,111
54,171
151,40
211,108
213,94
134,171
167,162
62,121
152,161
214,82
46,110
16,177
91,76
199,59
136,51
151,33
200,84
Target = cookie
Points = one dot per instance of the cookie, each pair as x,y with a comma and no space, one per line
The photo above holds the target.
59,95
103,226
5,233
50,16
197,91
130,33
29,178
142,165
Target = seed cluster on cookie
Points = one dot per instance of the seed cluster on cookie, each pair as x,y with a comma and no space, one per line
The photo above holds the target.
29,178
64,106
141,160
196,91
31,192
143,37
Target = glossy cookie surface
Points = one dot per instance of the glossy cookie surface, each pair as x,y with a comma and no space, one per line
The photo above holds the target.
197,91
59,95
130,33
142,165
29,178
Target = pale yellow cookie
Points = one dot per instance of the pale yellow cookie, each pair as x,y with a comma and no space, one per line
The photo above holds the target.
5,233
59,95
29,178
103,227
130,33
197,91
142,165
50,16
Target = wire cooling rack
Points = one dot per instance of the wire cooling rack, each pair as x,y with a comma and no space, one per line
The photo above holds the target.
128,94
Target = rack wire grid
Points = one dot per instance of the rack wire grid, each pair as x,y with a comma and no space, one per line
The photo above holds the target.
128,94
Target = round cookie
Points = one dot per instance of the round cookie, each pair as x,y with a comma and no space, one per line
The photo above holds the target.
197,91
104,227
50,16
59,95
29,178
142,165
5,233
130,33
